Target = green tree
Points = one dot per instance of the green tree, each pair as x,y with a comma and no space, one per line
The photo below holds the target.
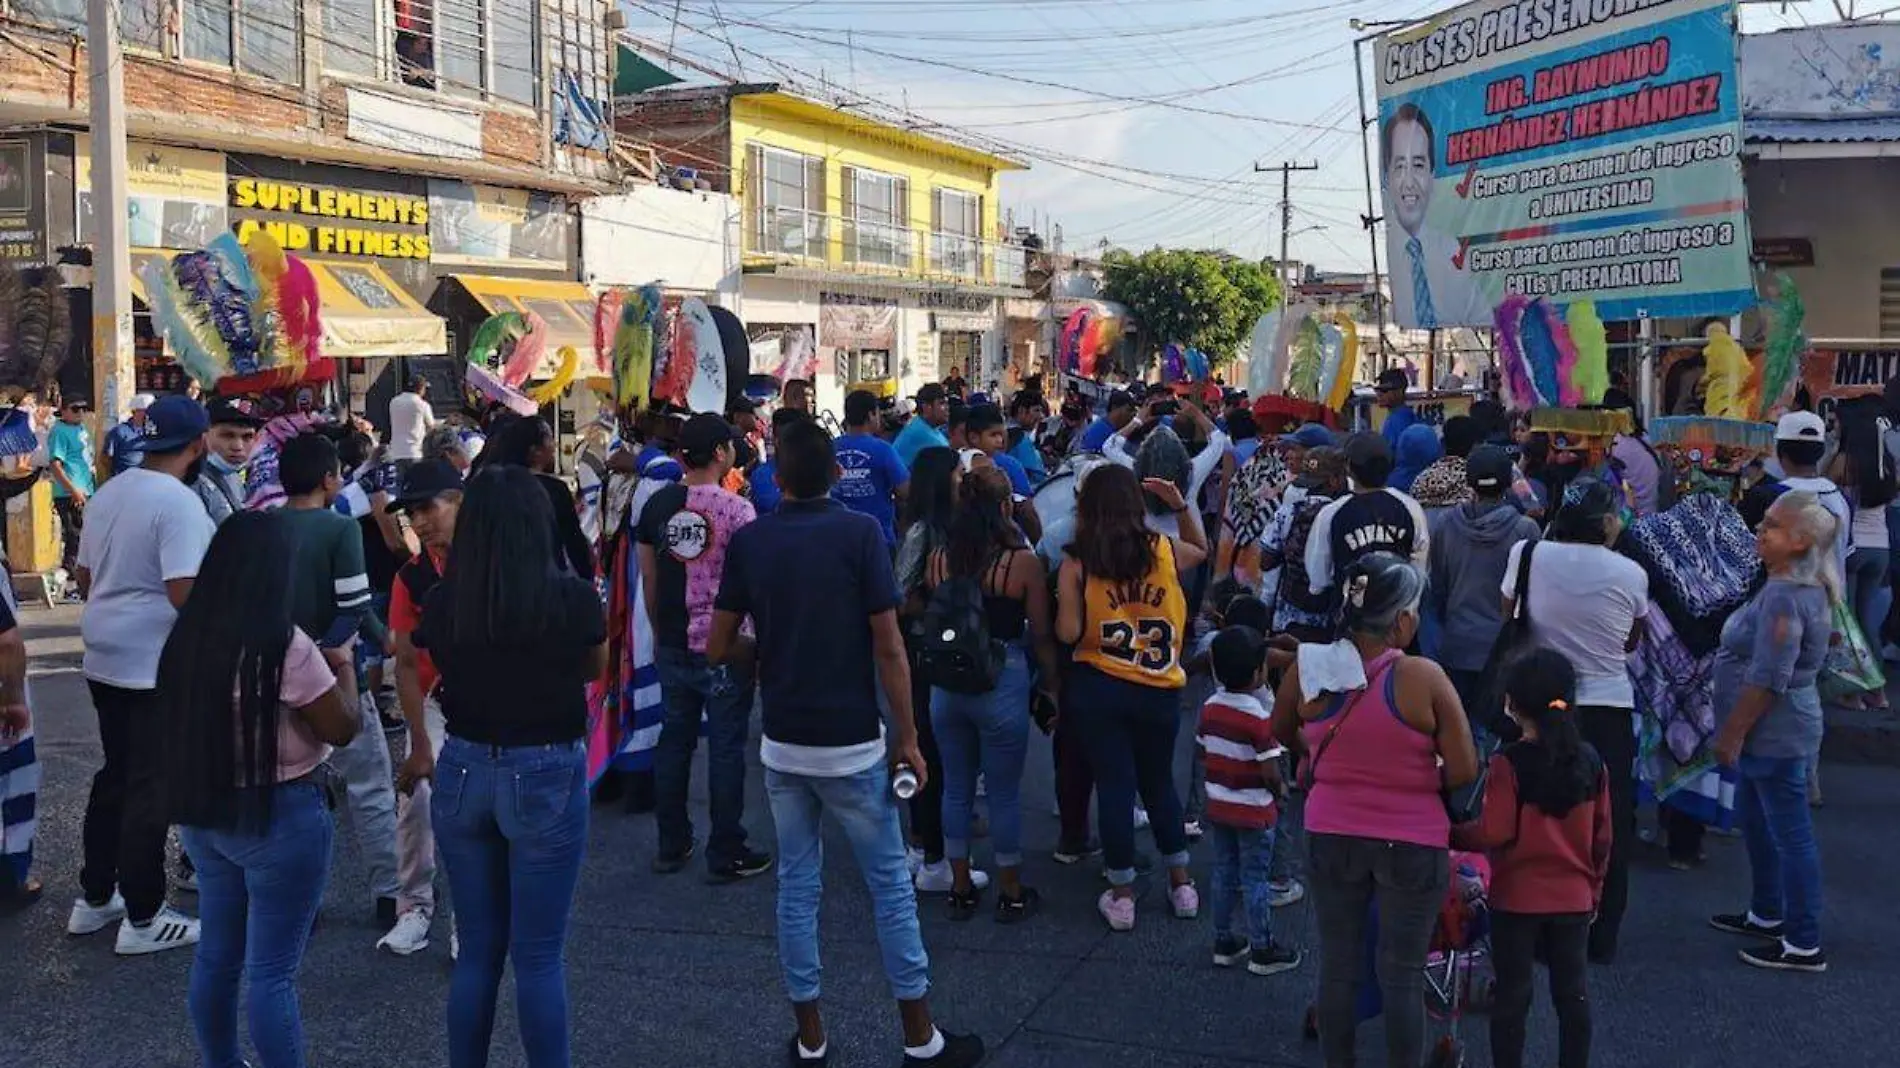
1204,300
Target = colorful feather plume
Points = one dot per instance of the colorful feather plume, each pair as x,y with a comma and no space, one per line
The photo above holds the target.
525,358
632,352
38,332
1260,357
1292,320
1591,377
1173,363
1069,346
300,309
192,340
545,393
675,376
1197,368
1520,392
1567,393
266,260
1543,353
1725,375
486,345
1306,362
1090,351
1332,352
606,326
1339,383
1785,344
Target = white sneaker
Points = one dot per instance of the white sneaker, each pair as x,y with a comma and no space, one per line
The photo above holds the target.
914,859
410,935
1141,817
455,945
87,918
169,929
1280,895
938,879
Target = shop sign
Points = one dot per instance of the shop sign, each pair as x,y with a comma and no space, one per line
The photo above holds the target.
961,323
1833,375
22,222
1432,409
853,322
314,219
952,300
488,226
1784,251
174,196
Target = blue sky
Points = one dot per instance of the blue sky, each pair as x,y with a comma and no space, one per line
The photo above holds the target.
1068,84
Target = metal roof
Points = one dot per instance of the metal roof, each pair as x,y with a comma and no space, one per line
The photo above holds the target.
1810,131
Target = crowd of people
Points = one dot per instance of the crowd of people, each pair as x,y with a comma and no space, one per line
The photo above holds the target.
1391,645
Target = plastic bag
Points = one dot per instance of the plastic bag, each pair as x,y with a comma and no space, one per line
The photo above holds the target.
1852,666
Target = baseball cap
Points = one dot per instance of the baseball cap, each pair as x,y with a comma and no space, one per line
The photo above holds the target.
171,422
1801,426
1120,398
241,411
142,402
424,481
931,393
1312,436
702,434
1392,378
1488,467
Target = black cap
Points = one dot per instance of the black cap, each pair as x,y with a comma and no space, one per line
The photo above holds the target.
240,411
425,480
1120,398
931,393
1488,467
1392,378
704,433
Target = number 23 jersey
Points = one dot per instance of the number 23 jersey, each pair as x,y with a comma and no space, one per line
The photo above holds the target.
1133,630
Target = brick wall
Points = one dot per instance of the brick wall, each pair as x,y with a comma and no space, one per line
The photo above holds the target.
511,139
694,132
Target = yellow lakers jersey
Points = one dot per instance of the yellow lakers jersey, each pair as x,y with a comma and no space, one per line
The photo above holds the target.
1134,631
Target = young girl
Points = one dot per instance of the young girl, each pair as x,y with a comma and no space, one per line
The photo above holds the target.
1546,828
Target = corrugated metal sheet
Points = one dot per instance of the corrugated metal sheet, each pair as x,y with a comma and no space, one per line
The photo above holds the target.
1811,131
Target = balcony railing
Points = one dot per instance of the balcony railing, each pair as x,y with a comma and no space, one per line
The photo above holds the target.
808,238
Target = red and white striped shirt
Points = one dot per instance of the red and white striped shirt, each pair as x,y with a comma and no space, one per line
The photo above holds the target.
1236,741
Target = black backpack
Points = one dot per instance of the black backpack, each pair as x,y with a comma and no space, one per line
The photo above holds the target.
1294,587
951,645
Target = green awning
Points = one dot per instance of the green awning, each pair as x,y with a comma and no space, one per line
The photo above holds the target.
634,74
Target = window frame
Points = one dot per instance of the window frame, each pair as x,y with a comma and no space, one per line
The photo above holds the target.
900,251
811,200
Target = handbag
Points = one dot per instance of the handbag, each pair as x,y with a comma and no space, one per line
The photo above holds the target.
1513,638
1852,667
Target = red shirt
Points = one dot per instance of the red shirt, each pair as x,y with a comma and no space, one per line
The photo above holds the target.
1236,740
405,615
1540,865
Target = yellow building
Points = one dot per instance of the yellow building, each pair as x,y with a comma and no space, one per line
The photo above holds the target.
884,241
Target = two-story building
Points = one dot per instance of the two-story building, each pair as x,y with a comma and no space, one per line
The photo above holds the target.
881,240
423,156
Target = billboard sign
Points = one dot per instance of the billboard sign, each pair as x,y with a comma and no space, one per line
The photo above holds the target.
1568,149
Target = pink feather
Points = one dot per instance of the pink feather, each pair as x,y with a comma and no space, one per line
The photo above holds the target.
606,322
1568,394
1520,392
298,304
529,349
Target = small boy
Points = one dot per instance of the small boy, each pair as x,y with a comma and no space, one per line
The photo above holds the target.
1248,611
1240,756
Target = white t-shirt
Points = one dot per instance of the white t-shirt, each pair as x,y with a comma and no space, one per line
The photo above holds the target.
143,529
410,418
1584,599
1834,501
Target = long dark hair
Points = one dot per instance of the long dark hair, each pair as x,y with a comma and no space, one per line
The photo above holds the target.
982,528
231,636
500,579
1111,539
1557,772
513,440
932,500
1869,471
1583,508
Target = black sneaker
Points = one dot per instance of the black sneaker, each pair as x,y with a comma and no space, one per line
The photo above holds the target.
674,862
1739,923
1272,959
959,1051
747,864
1779,959
385,912
963,904
1019,908
1230,950
796,1059
1072,853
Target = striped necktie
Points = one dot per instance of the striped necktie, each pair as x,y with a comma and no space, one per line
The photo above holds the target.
1421,289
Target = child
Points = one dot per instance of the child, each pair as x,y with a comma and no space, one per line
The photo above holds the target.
1546,829
1240,757
1250,611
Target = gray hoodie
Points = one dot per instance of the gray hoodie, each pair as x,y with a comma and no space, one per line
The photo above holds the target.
1470,549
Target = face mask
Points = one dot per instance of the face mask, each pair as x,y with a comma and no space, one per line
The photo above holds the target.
220,464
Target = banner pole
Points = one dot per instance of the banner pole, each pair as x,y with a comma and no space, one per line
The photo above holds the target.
1371,216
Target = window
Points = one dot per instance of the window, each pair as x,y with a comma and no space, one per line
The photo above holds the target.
270,44
785,196
208,31
578,72
350,36
956,227
1890,302
142,24
65,14
513,51
876,218
460,35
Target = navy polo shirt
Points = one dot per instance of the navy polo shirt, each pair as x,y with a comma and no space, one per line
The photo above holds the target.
811,575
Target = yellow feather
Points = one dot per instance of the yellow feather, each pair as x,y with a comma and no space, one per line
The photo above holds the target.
1726,375
545,393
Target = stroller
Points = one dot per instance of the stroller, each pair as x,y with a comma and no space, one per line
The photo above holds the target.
1455,981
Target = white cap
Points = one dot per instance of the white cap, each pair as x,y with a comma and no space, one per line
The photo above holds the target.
1801,426
142,401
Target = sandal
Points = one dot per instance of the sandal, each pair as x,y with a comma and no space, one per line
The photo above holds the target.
1019,908
963,903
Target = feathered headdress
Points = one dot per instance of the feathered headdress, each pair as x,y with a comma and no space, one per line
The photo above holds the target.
1173,362
35,331
606,325
1786,343
239,320
633,347
1726,373
1069,344
1197,368
490,366
1265,374
1592,374
1514,374
1307,362
1338,377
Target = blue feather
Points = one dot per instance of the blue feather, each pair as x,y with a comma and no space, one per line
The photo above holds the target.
235,266
1540,351
1197,365
652,297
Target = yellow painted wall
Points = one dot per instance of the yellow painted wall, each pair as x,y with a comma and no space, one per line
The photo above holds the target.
845,140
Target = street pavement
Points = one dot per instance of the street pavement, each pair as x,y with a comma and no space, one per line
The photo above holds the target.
670,971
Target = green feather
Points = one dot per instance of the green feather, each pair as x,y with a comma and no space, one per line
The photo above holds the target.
1785,344
1308,362
1591,375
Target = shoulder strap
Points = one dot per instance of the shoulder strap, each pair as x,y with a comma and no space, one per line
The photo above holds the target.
1522,602
1312,766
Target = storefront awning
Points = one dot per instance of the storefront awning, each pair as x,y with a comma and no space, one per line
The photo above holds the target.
366,313
567,308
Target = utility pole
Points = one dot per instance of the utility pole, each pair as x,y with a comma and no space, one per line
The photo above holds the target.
1286,215
111,248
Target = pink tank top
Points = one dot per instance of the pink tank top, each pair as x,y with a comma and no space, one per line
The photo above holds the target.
1379,777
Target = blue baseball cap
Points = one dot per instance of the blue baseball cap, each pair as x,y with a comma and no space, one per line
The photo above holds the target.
173,421
1312,436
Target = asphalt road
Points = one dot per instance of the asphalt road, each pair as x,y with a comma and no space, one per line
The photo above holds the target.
668,971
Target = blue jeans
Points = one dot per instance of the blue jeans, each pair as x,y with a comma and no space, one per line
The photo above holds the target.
689,688
1243,865
511,824
1783,857
1867,592
1129,731
257,897
987,732
865,809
